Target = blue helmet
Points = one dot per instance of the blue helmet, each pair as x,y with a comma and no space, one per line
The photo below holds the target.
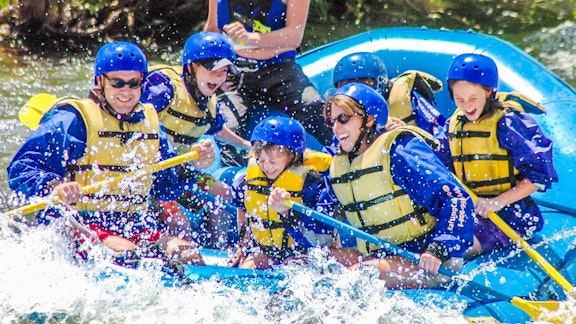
209,45
361,65
374,104
280,130
120,56
474,68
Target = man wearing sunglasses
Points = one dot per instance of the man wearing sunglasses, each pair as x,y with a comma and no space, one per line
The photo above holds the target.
109,134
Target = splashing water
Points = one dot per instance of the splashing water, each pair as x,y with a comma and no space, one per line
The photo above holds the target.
40,281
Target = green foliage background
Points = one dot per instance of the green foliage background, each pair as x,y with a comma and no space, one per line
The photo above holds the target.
170,21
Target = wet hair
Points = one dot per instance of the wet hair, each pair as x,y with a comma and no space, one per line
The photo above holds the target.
191,83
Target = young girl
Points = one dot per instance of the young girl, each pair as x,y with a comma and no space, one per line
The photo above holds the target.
499,153
185,99
279,169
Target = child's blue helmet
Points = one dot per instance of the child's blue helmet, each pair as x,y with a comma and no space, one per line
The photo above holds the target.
209,46
361,65
475,68
119,56
374,104
281,130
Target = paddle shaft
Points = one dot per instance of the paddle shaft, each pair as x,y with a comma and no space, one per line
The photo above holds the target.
564,209
95,187
533,308
385,245
533,254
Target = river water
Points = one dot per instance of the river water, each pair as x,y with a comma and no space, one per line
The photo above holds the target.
40,281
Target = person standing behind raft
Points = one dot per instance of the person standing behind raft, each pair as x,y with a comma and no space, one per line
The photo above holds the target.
266,35
187,106
499,153
280,169
392,185
84,141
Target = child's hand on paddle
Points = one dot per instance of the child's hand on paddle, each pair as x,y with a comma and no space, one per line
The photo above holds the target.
276,201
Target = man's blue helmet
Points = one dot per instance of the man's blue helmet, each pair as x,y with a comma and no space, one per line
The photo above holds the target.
119,56
212,47
374,104
361,65
475,68
281,130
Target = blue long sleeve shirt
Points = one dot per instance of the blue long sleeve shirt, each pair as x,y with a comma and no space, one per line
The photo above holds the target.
531,153
420,173
531,150
59,141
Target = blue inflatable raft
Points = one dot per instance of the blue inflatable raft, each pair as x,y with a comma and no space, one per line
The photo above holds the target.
509,271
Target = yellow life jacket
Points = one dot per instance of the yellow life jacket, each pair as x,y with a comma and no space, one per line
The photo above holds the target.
185,122
371,199
479,161
113,149
266,225
399,100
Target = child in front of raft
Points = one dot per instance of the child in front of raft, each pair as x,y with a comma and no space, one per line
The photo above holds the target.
83,141
187,106
499,153
279,168
391,185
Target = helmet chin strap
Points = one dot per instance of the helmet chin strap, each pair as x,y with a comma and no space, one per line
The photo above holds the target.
192,84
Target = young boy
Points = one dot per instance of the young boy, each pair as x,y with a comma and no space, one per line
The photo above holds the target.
279,169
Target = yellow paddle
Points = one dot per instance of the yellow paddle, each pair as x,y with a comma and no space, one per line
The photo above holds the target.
533,254
95,187
534,309
33,110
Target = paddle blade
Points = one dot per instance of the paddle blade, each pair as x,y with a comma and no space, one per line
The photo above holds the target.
541,310
33,110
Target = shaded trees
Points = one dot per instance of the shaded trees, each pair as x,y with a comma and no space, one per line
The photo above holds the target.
73,25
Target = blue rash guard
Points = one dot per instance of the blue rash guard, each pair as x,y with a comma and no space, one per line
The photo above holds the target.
158,91
311,196
418,171
59,141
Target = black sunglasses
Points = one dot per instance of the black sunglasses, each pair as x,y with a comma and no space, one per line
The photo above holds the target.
342,119
119,83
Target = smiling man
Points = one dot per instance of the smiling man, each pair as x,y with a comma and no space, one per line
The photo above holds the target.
109,134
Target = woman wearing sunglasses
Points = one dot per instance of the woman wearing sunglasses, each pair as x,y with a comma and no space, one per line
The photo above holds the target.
392,185
83,141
